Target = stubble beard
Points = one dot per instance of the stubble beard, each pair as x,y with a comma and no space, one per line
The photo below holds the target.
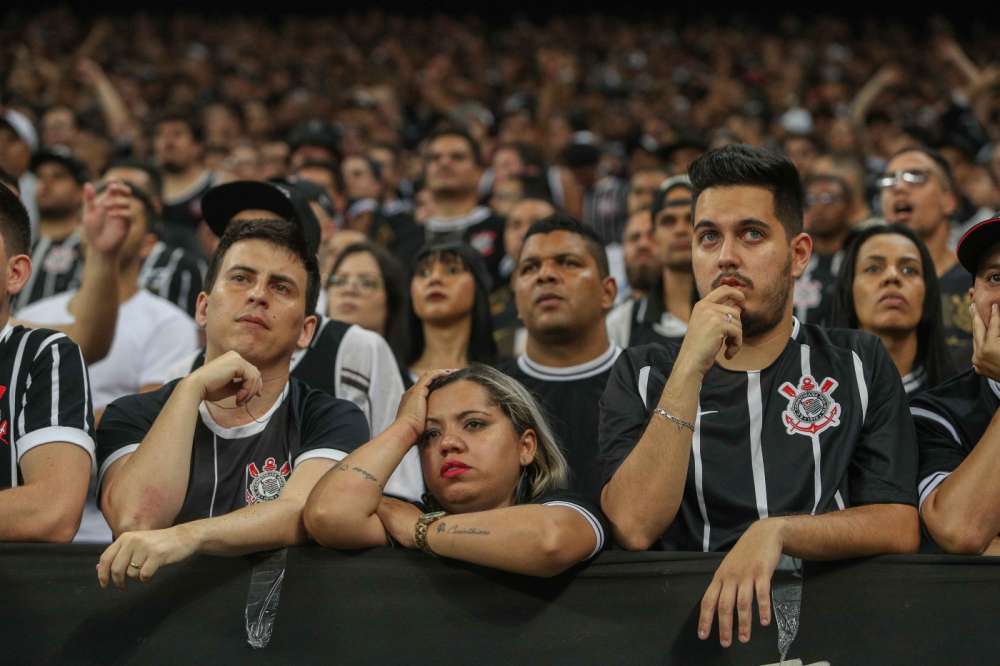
756,324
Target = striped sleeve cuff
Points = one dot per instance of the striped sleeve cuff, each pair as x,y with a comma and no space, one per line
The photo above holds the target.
327,454
930,482
594,523
58,434
114,457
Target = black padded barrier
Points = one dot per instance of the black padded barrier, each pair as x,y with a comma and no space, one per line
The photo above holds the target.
405,607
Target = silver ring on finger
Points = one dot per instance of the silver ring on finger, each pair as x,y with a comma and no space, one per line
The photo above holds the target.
729,317
133,565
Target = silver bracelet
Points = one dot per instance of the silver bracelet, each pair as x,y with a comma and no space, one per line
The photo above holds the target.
670,417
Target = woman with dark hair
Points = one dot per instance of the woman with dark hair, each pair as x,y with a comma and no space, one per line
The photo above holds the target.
367,287
493,473
450,322
888,286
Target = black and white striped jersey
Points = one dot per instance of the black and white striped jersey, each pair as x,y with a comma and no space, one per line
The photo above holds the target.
235,467
569,398
815,289
44,398
173,273
481,228
950,419
822,428
56,266
355,364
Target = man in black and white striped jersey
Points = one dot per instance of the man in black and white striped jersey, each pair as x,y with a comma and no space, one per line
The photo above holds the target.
757,435
56,263
344,360
46,418
169,271
958,427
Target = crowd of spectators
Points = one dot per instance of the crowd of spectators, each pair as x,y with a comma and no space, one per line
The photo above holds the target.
517,196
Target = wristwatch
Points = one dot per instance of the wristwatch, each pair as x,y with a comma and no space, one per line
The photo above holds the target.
420,529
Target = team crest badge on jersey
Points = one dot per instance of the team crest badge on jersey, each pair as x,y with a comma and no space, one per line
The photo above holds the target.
265,484
811,408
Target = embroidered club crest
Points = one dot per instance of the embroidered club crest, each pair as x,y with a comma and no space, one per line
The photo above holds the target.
811,408
264,485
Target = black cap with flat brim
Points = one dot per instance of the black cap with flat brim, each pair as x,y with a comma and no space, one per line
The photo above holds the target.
976,242
224,202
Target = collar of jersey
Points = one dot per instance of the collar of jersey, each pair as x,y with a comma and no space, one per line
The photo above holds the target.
592,367
475,216
255,427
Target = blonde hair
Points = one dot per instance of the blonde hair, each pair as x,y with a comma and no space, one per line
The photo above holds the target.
548,470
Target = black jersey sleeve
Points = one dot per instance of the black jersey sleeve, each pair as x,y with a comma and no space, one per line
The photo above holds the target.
331,427
125,423
940,442
623,411
56,401
586,508
883,468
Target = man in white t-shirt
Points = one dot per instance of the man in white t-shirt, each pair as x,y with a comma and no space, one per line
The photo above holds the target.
151,336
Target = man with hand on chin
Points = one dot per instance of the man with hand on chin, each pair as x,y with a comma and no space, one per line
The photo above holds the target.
222,460
757,435
957,422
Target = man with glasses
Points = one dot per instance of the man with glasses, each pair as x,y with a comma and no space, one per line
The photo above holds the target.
827,220
917,189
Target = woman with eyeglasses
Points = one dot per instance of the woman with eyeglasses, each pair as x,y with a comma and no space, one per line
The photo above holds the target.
367,287
450,323
493,474
888,286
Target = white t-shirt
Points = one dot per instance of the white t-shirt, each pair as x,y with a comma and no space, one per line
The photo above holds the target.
152,335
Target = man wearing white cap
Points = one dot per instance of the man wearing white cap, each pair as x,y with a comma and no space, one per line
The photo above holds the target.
18,140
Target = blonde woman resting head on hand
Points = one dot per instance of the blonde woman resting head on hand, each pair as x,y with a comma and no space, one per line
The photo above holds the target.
493,474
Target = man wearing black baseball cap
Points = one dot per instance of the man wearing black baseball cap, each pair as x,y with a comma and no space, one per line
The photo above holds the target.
55,254
344,360
957,422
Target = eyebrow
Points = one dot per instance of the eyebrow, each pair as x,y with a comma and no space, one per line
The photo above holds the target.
745,222
460,415
989,267
273,276
879,257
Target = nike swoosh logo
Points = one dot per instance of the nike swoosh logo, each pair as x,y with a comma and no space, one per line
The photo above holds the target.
713,411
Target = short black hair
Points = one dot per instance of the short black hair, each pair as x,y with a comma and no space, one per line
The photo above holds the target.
150,169
330,166
935,157
563,222
14,224
477,154
740,164
530,156
844,186
189,118
282,233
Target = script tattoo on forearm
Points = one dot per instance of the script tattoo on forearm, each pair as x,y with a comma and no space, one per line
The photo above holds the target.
443,528
343,467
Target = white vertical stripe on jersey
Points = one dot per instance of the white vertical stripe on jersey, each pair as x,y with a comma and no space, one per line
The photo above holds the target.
698,484
643,385
817,454
12,401
756,408
24,403
86,391
840,500
215,463
859,371
55,385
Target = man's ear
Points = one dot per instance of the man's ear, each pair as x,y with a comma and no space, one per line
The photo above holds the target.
950,202
801,249
201,310
308,329
609,292
18,273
